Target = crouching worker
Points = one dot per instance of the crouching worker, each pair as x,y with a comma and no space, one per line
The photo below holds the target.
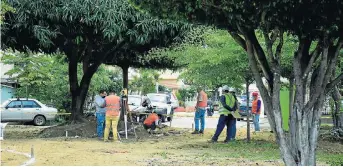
151,122
112,115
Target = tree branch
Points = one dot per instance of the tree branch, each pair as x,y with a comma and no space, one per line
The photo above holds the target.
238,39
314,55
261,57
269,43
87,57
274,35
322,69
279,47
332,61
334,82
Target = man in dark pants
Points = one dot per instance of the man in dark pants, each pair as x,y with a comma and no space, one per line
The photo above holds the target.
232,120
228,105
100,113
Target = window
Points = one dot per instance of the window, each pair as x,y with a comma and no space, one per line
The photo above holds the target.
14,104
158,98
136,101
30,104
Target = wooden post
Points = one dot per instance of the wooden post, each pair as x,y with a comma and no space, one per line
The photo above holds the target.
32,152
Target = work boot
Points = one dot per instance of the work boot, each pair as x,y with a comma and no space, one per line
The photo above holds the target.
201,132
195,132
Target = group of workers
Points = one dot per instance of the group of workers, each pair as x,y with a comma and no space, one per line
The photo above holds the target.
228,105
107,116
108,109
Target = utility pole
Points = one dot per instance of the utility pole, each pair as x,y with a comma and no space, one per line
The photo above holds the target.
247,109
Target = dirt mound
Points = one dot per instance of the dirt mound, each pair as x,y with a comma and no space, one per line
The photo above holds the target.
85,130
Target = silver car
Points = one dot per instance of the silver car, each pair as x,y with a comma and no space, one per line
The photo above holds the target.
26,110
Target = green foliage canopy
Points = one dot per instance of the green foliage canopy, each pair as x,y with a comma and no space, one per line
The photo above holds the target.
45,77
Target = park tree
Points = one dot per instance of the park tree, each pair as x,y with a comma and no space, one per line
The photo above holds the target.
221,62
45,77
4,8
315,24
87,32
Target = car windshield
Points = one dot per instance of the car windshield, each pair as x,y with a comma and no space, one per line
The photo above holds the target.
5,103
158,98
136,101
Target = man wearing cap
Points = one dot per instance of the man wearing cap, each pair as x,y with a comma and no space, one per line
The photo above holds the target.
228,105
256,111
200,111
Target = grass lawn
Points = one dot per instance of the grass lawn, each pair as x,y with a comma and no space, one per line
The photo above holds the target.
284,100
182,149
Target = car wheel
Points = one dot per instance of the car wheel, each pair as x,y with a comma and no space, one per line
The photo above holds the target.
39,120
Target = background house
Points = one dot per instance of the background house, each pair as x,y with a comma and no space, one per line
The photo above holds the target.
7,86
167,78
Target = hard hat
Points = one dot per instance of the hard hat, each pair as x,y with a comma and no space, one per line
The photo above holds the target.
232,90
254,94
225,88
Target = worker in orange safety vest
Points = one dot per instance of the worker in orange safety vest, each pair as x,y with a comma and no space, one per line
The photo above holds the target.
200,108
151,122
112,115
256,111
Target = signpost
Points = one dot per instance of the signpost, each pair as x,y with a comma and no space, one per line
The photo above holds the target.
124,108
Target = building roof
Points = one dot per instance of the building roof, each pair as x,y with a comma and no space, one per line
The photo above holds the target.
6,86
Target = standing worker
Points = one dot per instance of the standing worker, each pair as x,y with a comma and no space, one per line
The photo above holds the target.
112,115
232,120
100,113
228,105
200,110
256,111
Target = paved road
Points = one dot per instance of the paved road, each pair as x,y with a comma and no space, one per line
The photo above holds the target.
185,120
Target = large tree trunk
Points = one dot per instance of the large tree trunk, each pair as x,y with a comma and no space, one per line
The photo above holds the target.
124,104
298,147
271,98
125,87
79,91
74,85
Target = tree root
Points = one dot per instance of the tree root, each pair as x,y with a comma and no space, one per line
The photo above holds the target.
333,134
79,119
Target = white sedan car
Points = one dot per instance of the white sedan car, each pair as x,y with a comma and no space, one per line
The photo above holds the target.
26,110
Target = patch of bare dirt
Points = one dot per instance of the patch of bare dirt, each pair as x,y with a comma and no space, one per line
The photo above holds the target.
12,159
84,129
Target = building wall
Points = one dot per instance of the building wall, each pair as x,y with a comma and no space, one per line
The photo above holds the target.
169,83
6,93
